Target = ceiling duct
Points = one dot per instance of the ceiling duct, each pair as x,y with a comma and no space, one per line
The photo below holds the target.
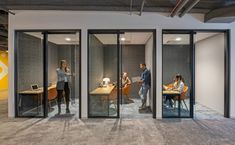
195,2
178,7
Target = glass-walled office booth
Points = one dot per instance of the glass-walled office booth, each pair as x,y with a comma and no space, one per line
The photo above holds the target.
103,75
177,74
114,72
41,57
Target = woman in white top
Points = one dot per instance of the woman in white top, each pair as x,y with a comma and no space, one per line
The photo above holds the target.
178,84
63,77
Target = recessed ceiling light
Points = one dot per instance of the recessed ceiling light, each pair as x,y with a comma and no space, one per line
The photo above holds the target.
178,39
123,39
68,39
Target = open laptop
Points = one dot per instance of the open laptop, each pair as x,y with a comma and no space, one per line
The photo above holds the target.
34,87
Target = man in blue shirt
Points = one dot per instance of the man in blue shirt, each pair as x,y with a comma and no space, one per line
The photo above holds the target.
145,82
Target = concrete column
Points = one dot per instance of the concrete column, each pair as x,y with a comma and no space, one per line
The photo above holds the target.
159,74
84,74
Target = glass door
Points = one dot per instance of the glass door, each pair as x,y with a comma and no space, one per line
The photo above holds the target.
39,54
104,74
178,74
63,73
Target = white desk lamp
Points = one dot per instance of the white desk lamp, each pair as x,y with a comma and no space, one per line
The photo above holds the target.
106,81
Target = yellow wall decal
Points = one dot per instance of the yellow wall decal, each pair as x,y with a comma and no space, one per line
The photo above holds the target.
3,70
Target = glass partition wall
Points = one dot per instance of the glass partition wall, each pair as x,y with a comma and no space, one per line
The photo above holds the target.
177,74
38,57
29,64
103,75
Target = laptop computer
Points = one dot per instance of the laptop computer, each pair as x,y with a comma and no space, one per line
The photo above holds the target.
34,87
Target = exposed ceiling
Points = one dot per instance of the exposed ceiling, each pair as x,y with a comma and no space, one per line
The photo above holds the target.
222,11
214,9
127,38
107,5
3,30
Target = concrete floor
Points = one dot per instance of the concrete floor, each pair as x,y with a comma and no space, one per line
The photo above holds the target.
69,130
131,110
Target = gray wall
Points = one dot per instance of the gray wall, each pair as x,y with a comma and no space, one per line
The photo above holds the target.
96,62
52,62
132,56
29,61
176,59
110,62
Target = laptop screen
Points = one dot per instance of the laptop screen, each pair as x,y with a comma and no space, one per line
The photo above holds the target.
34,87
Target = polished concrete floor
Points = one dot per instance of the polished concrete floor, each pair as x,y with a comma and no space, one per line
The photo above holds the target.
69,130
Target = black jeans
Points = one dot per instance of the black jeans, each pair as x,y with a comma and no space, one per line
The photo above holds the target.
67,94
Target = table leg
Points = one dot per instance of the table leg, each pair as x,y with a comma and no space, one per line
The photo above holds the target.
108,105
179,107
38,97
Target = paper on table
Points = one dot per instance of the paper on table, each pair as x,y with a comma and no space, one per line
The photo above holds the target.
135,79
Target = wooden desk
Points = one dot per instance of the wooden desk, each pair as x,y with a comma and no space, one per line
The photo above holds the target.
171,92
52,94
103,90
38,91
103,94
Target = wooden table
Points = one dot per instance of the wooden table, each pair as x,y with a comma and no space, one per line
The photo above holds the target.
103,93
103,90
52,94
171,92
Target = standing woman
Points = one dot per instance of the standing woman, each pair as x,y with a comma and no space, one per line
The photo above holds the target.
63,85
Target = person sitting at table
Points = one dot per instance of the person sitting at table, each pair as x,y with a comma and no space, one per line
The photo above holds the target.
178,85
125,80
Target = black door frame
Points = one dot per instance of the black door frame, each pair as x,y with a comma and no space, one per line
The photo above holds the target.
227,63
118,32
45,33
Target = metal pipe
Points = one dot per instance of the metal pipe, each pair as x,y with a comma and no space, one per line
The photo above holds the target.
142,7
177,4
189,7
178,7
131,3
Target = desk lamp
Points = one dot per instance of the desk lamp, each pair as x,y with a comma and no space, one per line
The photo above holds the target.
106,82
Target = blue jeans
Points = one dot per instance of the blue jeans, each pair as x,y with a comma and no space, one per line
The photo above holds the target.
143,93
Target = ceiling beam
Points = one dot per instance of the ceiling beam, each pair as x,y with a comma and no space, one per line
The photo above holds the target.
189,8
221,15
